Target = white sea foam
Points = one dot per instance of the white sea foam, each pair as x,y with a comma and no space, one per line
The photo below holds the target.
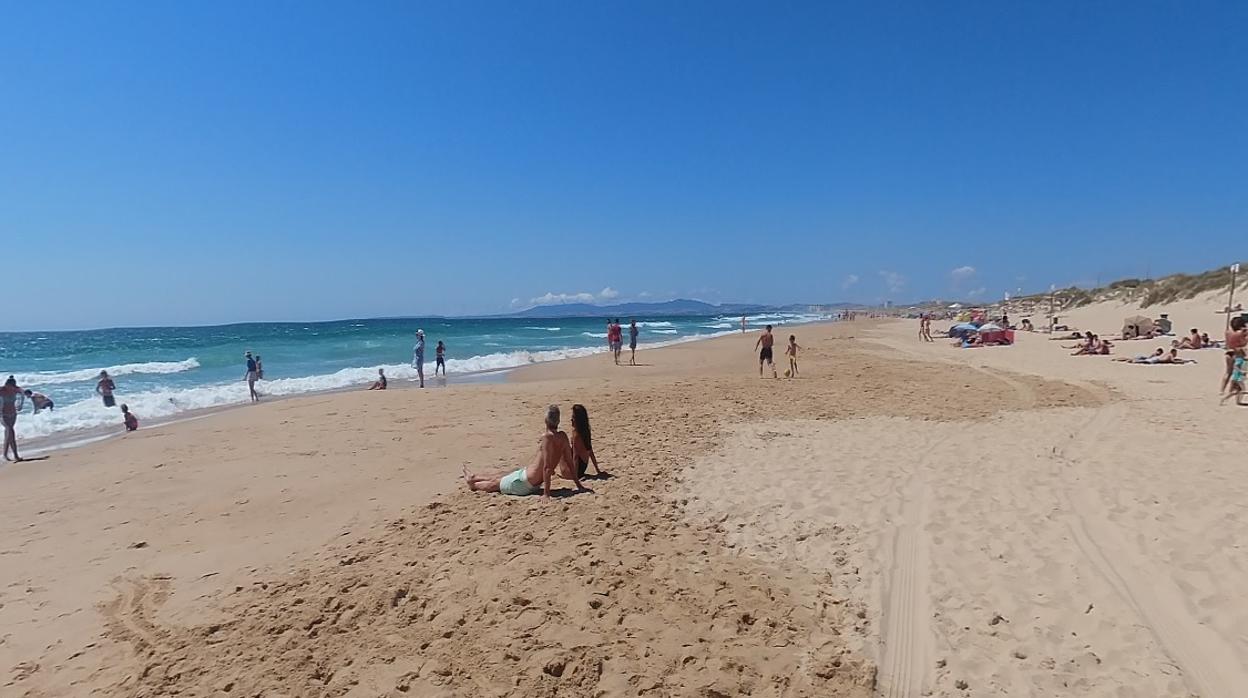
599,335
167,403
665,331
87,374
657,323
546,329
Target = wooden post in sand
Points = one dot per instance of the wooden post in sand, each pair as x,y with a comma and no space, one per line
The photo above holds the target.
1230,301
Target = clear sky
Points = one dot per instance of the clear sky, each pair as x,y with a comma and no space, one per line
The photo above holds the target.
168,163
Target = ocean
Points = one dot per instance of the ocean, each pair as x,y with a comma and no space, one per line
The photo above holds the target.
163,372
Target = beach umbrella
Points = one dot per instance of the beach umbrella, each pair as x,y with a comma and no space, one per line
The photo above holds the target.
990,327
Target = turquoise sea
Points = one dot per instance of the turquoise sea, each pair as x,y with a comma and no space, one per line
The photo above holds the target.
162,372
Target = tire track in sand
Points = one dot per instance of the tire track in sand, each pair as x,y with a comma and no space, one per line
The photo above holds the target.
1209,666
907,633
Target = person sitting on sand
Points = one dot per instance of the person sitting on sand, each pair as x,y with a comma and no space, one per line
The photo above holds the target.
1209,343
1091,347
39,401
553,450
381,382
582,446
1236,386
1191,341
1086,341
131,421
1027,326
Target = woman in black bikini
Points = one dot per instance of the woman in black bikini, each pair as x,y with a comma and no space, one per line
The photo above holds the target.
583,442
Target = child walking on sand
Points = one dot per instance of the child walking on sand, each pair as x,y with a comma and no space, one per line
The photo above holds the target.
791,351
1236,387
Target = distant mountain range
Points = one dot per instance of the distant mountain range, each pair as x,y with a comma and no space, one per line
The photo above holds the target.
680,306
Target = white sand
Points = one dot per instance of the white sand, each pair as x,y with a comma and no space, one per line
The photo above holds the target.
1091,551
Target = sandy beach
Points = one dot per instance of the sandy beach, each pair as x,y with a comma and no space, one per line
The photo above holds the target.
904,519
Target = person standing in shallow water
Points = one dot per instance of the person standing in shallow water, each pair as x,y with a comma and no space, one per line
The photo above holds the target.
105,388
252,375
418,356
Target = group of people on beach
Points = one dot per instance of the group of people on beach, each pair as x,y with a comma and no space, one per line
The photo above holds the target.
13,400
615,340
765,346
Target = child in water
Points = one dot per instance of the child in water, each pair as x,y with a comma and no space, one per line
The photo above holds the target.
441,359
132,422
791,351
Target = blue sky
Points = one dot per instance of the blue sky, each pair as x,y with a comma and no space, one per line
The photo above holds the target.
166,163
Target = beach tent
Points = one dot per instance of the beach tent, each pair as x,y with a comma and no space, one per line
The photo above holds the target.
1136,326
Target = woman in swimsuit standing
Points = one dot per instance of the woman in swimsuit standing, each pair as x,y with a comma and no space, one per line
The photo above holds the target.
10,394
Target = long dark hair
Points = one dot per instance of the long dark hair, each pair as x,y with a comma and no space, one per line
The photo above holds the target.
580,422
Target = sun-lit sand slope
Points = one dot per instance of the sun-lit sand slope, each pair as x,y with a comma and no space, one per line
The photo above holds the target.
1093,550
963,522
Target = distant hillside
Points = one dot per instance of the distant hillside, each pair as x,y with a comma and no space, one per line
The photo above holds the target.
674,307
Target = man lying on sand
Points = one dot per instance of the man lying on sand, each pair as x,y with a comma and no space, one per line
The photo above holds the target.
553,450
1159,357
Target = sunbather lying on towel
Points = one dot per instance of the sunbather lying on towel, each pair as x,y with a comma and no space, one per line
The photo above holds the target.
1160,357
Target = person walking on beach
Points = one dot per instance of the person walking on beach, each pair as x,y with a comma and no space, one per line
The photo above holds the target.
252,375
39,402
418,356
105,388
11,398
1236,387
763,346
742,324
1236,339
440,357
791,352
381,382
632,342
554,452
615,339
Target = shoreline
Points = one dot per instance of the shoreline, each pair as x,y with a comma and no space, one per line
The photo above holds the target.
41,446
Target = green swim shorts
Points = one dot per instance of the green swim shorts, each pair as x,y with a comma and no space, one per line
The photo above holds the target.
517,484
